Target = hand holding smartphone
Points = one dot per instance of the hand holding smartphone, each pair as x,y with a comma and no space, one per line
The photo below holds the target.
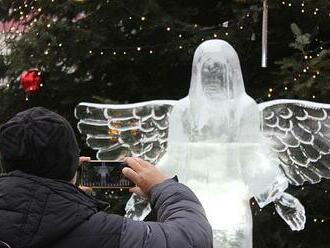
104,174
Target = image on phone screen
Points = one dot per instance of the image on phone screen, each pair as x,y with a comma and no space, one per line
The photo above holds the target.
104,174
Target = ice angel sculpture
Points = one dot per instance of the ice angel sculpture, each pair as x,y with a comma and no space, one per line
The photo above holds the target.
222,144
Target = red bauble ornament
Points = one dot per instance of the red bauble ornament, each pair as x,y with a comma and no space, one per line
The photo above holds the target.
31,81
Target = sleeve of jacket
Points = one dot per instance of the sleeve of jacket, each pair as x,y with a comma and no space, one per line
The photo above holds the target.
181,221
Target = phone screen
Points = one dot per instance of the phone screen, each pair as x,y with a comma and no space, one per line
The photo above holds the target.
104,174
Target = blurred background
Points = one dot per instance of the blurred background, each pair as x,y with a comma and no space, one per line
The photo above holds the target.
57,53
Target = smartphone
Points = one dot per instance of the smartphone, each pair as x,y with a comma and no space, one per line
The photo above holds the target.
104,174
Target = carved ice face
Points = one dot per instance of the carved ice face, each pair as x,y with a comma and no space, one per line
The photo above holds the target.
214,80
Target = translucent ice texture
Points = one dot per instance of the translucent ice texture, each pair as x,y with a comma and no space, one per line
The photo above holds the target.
215,144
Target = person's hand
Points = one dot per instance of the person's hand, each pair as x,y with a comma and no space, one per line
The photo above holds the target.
88,190
143,174
84,160
83,188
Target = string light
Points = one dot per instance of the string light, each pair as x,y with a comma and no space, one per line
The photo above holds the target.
148,49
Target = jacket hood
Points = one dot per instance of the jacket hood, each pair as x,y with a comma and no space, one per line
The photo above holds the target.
36,212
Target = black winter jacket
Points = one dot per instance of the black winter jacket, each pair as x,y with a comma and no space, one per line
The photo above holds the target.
41,212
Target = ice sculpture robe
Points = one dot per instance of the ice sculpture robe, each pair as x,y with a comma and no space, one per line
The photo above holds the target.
215,144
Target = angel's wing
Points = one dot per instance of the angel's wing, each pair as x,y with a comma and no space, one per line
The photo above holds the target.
299,132
120,130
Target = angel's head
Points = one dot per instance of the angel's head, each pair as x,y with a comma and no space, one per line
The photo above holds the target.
216,72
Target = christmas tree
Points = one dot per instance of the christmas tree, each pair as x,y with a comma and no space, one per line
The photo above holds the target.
129,51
